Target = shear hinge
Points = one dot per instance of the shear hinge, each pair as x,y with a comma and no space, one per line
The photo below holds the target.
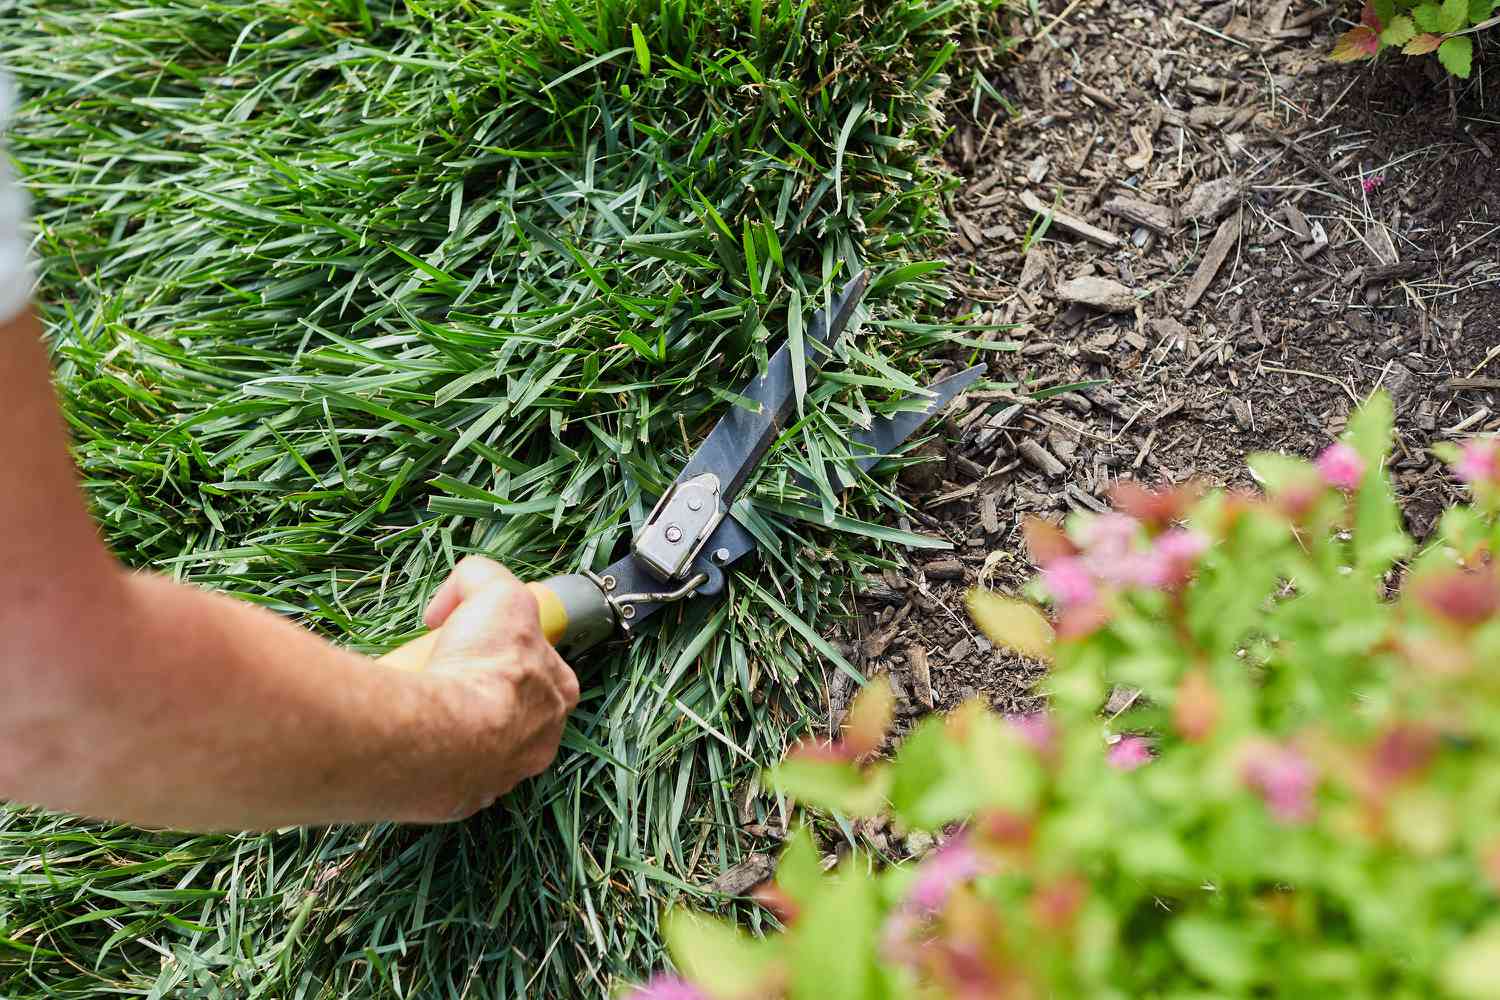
679,525
624,605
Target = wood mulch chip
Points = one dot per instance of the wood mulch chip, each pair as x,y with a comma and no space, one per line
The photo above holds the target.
1245,239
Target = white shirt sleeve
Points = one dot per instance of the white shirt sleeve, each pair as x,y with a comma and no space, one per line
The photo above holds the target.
15,267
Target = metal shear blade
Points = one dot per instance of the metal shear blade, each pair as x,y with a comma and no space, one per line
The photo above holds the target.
682,548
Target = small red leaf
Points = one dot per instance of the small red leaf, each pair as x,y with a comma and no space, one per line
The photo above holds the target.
1356,43
1422,44
824,751
1465,599
1046,542
1078,623
1369,18
1155,509
778,901
869,717
1055,904
1401,752
1195,711
1001,829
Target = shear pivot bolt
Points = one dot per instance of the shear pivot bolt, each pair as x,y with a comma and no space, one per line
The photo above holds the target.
674,534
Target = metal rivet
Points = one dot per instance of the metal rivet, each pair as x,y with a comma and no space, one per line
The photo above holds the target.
608,581
674,534
628,611
721,556
694,503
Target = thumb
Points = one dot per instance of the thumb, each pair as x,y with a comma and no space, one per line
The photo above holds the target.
472,575
500,619
483,610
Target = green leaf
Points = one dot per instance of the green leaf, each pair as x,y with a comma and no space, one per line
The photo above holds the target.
794,342
1479,10
1369,431
752,262
930,784
1279,473
833,957
1398,31
1453,16
1011,623
1378,537
642,51
1385,10
909,272
1429,17
585,67
1472,969
1154,854
855,114
882,532
825,648
799,872
714,954
773,243
1457,55
830,784
255,382
1216,951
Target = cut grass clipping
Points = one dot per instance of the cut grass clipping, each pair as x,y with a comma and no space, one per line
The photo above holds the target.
340,292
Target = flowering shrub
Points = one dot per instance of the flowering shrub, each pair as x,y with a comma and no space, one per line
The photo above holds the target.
1418,27
1303,798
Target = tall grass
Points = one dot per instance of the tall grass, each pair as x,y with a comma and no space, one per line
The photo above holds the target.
341,290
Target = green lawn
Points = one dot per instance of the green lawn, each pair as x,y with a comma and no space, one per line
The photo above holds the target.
342,290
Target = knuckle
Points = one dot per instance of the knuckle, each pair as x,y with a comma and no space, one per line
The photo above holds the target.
468,566
525,601
478,572
522,616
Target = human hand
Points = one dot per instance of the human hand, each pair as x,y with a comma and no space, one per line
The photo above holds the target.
491,641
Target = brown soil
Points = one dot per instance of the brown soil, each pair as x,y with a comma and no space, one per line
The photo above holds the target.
1362,252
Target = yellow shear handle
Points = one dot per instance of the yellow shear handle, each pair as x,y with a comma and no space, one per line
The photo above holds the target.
554,619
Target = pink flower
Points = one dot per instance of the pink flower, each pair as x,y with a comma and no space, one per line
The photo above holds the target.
1478,462
1341,467
1371,182
1402,751
1036,729
1173,557
1127,569
1110,535
1110,552
1285,780
898,937
1128,753
1069,582
1468,600
664,987
955,863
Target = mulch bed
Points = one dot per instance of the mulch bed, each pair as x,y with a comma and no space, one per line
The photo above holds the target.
1245,239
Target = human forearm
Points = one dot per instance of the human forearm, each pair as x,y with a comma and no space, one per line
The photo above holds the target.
188,709
131,697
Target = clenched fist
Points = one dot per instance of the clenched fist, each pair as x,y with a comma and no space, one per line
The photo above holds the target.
517,690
